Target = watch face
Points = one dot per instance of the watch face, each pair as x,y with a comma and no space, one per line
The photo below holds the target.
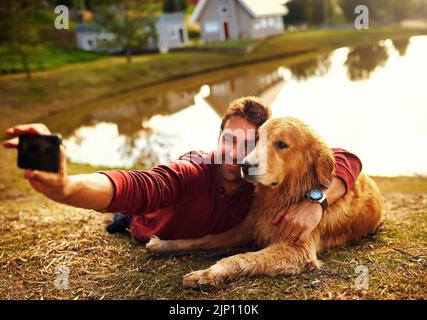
315,195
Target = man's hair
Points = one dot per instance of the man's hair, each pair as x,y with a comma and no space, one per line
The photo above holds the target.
252,109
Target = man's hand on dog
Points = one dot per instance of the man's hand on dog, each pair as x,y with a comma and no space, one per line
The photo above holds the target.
298,222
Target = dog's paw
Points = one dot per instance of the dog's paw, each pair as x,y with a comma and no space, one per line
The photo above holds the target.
157,245
201,278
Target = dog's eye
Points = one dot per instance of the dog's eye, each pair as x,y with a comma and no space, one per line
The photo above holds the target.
281,145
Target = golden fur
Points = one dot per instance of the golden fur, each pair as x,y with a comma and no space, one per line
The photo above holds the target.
287,175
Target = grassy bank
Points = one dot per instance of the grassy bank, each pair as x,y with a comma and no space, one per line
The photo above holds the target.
37,235
46,57
80,84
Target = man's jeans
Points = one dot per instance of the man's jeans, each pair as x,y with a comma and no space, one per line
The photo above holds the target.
120,224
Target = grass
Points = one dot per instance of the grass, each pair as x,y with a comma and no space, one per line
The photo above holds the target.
46,57
231,44
38,235
53,91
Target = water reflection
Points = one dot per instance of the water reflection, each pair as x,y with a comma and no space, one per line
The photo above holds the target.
401,45
362,61
318,66
361,115
164,126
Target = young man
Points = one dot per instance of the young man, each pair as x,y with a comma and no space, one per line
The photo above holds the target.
187,198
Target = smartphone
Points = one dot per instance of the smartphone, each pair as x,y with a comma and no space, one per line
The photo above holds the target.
39,152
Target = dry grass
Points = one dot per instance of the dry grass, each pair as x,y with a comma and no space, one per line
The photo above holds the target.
37,235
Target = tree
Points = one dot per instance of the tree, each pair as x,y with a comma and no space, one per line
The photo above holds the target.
401,10
298,12
132,27
18,33
174,5
380,10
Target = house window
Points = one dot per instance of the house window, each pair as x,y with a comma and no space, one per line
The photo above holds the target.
264,23
172,33
271,22
279,22
211,27
224,11
90,43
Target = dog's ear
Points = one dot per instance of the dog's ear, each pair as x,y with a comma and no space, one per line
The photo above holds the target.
324,164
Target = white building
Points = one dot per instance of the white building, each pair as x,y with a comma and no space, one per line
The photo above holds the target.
90,37
239,19
171,33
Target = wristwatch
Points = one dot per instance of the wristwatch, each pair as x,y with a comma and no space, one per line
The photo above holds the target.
319,197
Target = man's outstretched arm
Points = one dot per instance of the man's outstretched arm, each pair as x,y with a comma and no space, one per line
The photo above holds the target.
299,221
90,191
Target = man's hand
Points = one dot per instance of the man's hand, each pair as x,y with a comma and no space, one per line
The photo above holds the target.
90,191
299,221
55,186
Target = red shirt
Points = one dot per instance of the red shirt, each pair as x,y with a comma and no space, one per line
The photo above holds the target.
184,198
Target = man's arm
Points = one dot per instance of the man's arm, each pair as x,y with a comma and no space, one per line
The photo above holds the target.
299,221
90,191
143,191
128,192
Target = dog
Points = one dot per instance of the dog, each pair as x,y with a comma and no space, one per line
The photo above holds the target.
297,160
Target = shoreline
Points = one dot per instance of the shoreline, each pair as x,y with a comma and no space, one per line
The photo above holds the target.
111,77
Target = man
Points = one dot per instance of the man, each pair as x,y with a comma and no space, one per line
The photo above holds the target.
187,198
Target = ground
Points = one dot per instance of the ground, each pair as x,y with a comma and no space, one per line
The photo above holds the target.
38,235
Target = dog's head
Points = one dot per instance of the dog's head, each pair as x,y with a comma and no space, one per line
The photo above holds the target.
289,152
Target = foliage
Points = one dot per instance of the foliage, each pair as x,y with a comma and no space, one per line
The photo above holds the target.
132,27
17,33
174,5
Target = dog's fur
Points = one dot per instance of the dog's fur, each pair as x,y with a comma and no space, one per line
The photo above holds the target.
307,163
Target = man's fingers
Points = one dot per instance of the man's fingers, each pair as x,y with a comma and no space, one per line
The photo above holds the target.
303,238
11,143
293,236
36,128
28,174
286,231
62,161
278,217
37,176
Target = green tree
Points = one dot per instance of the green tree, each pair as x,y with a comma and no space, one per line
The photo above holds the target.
132,27
174,5
378,9
401,10
18,34
298,12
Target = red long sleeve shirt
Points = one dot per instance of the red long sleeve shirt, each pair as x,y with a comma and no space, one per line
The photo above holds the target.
184,198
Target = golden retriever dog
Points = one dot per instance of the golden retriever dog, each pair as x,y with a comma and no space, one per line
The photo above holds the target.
287,175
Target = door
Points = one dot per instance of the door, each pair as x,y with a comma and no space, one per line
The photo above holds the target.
181,35
226,31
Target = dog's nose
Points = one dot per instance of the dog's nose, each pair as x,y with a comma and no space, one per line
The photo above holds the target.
246,165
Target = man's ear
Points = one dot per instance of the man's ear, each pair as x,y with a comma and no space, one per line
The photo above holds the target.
324,165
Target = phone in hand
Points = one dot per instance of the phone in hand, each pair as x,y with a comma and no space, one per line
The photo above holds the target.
39,152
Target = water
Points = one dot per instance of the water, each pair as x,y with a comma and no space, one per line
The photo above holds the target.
369,100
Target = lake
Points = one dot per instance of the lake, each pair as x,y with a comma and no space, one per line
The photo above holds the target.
369,100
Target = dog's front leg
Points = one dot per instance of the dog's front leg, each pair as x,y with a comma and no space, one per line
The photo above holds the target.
237,236
279,258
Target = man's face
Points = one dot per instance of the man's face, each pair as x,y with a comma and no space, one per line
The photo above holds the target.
236,141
